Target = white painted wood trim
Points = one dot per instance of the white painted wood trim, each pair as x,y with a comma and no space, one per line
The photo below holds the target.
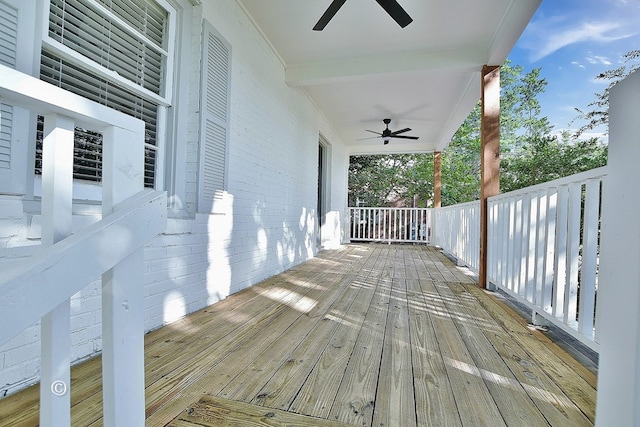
19,89
57,172
23,300
618,402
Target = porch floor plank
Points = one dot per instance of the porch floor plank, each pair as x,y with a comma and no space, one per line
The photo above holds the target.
367,335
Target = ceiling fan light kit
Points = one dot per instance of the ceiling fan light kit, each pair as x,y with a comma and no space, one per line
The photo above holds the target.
390,6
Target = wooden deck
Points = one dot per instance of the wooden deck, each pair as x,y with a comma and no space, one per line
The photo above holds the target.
368,335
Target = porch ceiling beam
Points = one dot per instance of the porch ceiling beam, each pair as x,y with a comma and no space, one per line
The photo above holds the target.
390,148
339,70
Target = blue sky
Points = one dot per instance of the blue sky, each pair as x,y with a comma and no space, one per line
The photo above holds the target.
572,41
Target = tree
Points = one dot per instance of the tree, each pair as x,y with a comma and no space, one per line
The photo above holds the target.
597,112
379,180
520,126
545,158
529,153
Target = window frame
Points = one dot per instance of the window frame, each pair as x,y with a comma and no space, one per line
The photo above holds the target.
88,190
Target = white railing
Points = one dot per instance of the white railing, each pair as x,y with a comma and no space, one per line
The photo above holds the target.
393,225
543,248
40,287
457,231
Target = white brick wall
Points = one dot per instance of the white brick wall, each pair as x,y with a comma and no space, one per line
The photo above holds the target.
200,259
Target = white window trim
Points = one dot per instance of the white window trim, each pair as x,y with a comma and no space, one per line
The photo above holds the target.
92,191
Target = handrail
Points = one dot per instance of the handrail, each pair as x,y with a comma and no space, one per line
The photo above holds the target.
388,224
543,250
100,246
457,231
22,90
62,268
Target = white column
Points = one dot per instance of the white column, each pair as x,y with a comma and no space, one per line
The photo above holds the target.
122,289
618,401
57,186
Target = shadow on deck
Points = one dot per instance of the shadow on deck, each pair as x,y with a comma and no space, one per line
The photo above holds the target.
367,335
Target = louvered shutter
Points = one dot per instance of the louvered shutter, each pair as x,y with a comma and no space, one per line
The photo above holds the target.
214,124
16,24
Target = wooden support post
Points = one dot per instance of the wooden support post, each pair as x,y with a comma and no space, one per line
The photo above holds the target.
122,289
437,179
618,323
57,187
489,157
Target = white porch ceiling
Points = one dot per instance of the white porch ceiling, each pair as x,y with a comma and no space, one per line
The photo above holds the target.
364,68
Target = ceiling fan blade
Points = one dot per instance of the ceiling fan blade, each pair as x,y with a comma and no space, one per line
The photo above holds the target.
404,137
396,12
401,131
373,131
328,14
371,137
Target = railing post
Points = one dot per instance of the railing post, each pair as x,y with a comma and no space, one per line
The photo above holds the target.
57,184
490,156
618,288
122,289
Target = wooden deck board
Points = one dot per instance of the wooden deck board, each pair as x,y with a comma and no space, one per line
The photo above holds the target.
367,335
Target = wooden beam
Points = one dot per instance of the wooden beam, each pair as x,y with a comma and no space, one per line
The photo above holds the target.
437,179
490,155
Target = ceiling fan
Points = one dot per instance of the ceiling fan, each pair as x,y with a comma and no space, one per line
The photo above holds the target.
387,134
390,6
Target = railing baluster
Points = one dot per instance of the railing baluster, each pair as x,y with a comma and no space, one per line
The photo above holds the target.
573,252
589,257
531,247
541,249
57,186
517,248
560,263
524,245
547,294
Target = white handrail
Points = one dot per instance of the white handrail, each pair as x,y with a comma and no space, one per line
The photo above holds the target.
113,248
457,231
378,224
87,254
543,250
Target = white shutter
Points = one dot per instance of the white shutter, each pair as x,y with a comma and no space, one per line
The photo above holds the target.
8,46
214,124
16,51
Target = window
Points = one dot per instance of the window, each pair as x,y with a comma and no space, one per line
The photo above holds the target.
118,53
214,125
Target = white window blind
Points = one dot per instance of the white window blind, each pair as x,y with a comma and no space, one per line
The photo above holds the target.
214,127
114,52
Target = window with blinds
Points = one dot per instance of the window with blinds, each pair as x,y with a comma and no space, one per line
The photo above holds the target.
114,52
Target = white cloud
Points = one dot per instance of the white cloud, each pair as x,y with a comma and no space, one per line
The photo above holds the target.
577,64
597,59
588,31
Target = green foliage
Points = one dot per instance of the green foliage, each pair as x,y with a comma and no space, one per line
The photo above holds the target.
383,179
529,153
597,112
545,159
